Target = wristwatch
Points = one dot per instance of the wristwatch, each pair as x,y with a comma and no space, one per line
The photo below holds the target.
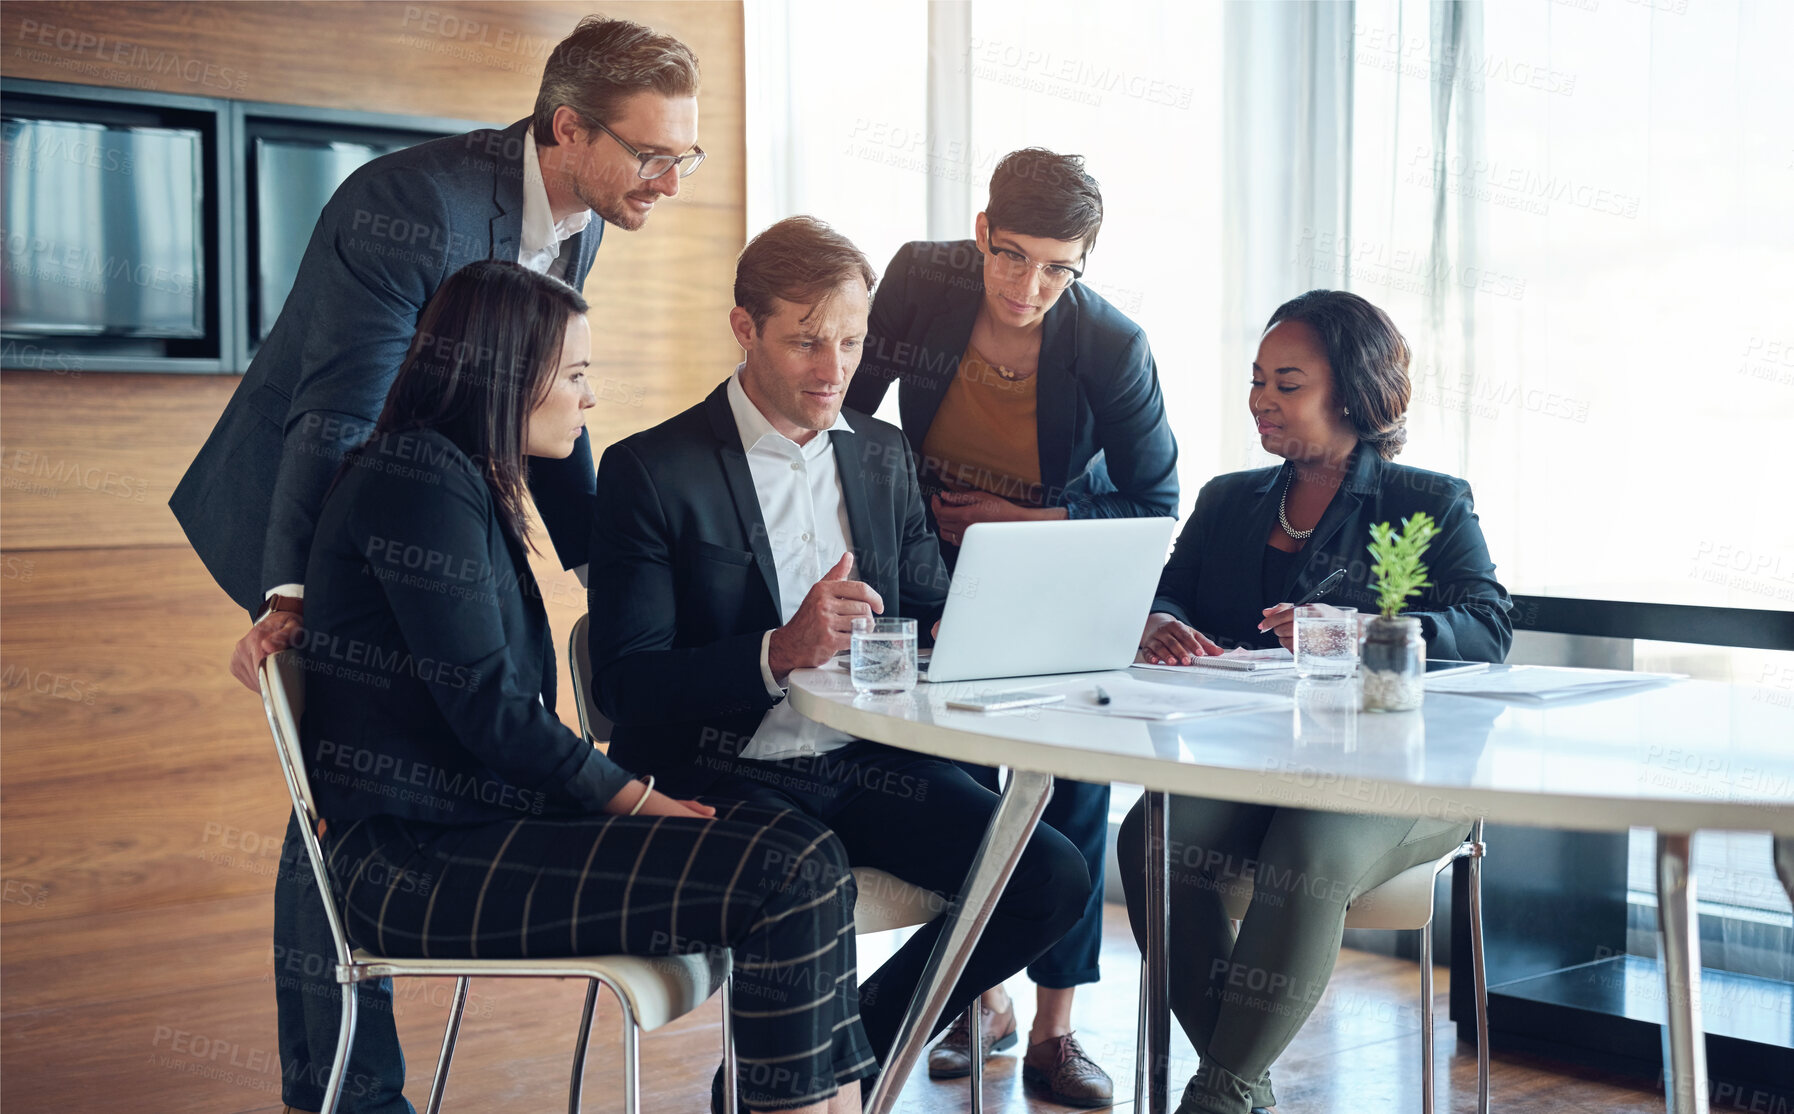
295,604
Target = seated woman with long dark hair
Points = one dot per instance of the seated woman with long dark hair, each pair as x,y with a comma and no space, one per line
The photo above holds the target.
462,817
1329,393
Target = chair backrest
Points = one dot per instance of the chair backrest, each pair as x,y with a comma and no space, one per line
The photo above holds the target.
592,722
283,698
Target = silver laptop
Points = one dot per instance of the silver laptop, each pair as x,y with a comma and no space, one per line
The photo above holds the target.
1032,598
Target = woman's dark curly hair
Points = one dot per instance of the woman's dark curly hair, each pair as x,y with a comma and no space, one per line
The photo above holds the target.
1369,358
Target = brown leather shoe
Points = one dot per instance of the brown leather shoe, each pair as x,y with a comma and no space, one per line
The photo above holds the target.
1057,1069
952,1057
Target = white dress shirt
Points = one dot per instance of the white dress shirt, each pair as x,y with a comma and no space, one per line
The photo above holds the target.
799,491
542,234
540,251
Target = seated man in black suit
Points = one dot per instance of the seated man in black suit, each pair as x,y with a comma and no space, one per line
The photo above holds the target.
735,543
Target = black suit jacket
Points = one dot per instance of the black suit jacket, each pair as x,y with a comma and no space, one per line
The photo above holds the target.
1106,449
1212,581
389,236
683,584
431,679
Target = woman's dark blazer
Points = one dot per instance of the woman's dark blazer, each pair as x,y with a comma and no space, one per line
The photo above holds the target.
1098,396
1212,581
430,678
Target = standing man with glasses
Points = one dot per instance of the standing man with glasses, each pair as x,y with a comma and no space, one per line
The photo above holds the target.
614,130
1025,396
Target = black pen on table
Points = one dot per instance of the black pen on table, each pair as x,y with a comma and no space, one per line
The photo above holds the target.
1102,695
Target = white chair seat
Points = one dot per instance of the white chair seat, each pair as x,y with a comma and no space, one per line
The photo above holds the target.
1403,902
658,990
886,901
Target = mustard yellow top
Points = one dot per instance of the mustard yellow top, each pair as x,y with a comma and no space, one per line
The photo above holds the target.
984,435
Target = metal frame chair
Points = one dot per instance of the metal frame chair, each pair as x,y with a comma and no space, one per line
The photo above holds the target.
651,992
1405,902
897,904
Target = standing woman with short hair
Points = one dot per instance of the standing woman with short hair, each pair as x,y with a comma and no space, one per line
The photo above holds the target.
1026,396
463,819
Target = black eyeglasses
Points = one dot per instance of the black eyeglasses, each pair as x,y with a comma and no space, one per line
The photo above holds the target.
653,166
1012,264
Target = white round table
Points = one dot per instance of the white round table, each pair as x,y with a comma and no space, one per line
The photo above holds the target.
1675,757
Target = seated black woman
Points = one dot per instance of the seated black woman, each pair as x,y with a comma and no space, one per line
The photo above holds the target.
1329,393
1025,396
462,818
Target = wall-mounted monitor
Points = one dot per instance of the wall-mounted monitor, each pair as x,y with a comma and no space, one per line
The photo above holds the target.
143,231
104,230
293,180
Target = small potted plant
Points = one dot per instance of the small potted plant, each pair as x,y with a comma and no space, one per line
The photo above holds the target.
1394,653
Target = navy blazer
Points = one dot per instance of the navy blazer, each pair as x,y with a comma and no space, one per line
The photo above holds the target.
683,585
1213,579
430,683
389,236
1106,448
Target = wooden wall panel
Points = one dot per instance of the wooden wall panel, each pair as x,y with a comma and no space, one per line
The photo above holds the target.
137,773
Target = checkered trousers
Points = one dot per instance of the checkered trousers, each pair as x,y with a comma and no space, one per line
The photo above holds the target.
772,885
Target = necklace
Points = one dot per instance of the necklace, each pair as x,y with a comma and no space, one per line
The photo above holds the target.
1007,375
1283,511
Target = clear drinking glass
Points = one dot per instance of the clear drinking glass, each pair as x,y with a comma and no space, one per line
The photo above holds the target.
1326,640
882,655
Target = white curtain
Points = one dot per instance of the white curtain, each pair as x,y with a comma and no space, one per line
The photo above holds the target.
1287,156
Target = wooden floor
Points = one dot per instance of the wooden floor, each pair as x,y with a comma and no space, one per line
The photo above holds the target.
171,1010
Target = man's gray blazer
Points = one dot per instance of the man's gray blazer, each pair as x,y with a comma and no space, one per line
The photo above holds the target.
389,236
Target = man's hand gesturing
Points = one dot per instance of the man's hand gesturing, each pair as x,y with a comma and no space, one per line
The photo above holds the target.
823,626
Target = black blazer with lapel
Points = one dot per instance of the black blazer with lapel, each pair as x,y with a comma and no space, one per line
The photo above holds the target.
1098,385
683,583
389,236
1213,579
430,685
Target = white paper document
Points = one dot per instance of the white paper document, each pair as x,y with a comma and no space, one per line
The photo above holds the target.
1543,683
1145,700
1237,660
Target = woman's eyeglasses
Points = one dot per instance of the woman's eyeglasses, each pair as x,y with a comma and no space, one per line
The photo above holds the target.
1012,265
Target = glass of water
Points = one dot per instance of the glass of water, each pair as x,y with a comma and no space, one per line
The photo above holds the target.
1326,640
882,656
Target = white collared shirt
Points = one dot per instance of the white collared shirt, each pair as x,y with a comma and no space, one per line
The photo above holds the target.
799,491
542,237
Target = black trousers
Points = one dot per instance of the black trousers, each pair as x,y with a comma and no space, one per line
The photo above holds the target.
921,819
1079,811
772,885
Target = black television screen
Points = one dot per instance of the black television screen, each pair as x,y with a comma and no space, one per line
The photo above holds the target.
293,180
103,230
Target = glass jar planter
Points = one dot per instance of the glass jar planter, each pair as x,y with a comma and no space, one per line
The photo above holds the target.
1392,663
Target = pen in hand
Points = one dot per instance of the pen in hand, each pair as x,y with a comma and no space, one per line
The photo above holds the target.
1320,590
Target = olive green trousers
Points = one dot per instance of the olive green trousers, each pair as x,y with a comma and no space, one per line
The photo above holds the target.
1242,997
